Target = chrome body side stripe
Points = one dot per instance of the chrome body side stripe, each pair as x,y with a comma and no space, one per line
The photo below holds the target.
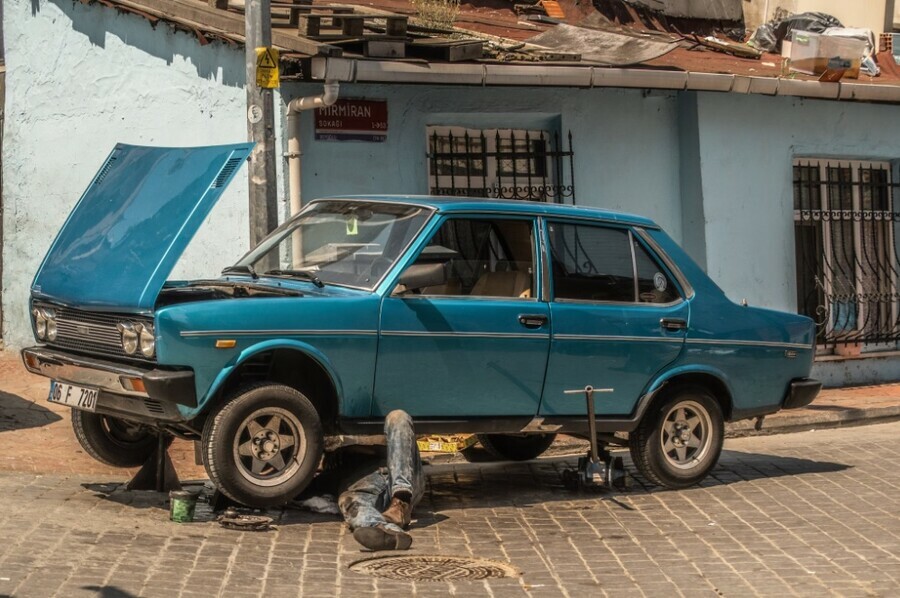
774,345
196,333
601,337
535,335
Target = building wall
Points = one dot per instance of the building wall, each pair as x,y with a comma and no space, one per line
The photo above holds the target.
869,14
81,78
625,141
747,144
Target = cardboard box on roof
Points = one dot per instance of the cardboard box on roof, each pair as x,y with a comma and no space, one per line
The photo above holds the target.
814,53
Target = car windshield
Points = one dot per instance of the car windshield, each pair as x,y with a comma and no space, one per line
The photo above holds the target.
349,243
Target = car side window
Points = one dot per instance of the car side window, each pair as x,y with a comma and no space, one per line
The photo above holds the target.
591,263
654,284
482,258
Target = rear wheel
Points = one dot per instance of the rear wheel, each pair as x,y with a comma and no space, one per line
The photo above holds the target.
262,446
679,440
114,441
515,447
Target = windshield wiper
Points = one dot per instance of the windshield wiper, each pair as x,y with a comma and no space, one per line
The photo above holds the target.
248,269
301,273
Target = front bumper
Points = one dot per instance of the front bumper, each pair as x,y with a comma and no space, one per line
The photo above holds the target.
118,394
801,393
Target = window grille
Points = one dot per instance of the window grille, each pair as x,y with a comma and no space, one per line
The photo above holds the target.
500,163
846,231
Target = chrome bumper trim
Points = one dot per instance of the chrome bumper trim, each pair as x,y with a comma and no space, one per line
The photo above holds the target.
84,371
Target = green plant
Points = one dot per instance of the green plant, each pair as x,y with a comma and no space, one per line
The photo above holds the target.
437,14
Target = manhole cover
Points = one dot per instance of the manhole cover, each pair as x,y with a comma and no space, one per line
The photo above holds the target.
433,568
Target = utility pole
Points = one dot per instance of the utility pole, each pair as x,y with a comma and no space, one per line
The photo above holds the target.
260,125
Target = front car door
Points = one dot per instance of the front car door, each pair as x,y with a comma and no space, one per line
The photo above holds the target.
618,317
477,344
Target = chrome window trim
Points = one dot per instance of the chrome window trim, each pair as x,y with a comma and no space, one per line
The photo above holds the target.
668,262
642,304
545,214
467,297
287,332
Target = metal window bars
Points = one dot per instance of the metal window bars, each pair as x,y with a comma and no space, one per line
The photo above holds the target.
504,165
846,231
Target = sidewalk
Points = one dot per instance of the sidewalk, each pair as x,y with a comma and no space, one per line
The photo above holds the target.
36,436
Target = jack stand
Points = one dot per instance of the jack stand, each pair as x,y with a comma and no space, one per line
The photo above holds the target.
596,469
157,473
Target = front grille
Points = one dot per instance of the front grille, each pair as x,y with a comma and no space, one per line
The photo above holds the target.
94,333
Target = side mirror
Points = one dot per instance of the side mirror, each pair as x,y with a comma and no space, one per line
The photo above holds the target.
419,276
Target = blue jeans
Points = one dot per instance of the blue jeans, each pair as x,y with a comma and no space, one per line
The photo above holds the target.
364,500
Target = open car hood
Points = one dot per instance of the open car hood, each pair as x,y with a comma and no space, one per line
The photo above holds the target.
132,224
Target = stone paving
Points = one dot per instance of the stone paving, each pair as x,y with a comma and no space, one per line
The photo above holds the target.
806,514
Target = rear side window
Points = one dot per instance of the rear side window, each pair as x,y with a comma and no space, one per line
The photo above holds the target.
597,263
654,285
591,263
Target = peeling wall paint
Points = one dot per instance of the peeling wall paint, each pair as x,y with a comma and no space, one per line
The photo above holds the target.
81,78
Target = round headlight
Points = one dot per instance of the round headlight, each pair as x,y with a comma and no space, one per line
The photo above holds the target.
40,324
129,337
148,341
50,316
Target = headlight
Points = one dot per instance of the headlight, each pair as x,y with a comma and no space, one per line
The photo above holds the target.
129,337
50,317
40,323
148,341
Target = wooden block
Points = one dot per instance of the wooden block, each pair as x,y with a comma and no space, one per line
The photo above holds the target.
396,26
554,10
223,4
309,25
377,48
351,26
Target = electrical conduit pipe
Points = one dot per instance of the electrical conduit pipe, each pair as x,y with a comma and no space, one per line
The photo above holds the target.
328,97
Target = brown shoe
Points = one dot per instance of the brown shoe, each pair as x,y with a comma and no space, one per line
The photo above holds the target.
399,512
382,537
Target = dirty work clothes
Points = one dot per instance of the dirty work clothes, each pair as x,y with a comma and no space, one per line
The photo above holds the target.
362,501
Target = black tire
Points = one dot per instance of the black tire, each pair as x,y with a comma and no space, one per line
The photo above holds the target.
113,441
677,450
243,446
515,447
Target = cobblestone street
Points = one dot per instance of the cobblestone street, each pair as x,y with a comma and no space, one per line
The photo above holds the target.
806,514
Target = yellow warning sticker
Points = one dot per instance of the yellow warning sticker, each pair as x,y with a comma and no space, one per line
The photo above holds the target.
267,68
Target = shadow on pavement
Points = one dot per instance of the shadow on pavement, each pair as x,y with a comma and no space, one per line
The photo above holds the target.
17,413
500,484
108,592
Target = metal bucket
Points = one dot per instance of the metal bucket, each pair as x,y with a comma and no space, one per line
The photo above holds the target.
181,505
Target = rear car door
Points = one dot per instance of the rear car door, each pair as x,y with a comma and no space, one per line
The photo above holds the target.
477,344
618,317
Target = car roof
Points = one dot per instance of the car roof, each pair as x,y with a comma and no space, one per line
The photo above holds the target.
446,204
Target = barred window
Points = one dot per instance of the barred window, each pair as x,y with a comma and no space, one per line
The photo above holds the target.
844,235
500,163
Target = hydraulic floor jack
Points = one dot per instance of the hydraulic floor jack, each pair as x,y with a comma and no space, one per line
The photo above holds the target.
597,469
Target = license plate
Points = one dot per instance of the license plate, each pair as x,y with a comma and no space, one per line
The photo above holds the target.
73,396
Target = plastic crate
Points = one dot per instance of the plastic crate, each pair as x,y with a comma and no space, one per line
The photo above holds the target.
814,53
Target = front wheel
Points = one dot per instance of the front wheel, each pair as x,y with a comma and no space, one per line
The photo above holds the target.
261,447
679,440
113,441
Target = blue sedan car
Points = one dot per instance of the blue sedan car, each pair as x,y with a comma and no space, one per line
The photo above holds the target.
474,316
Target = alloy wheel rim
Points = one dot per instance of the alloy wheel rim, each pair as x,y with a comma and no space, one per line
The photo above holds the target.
685,438
268,446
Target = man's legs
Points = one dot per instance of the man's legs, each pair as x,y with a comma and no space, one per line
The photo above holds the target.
361,504
404,462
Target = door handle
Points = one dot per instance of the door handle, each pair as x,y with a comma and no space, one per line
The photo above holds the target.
673,324
532,320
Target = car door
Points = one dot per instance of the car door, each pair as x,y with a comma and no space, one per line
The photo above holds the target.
475,345
618,317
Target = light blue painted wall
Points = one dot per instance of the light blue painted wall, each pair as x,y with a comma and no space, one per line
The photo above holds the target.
625,141
81,78
747,144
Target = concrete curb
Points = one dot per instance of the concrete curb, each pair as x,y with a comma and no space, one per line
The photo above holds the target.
814,418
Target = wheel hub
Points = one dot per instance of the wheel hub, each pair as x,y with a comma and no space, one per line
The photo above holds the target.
266,444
